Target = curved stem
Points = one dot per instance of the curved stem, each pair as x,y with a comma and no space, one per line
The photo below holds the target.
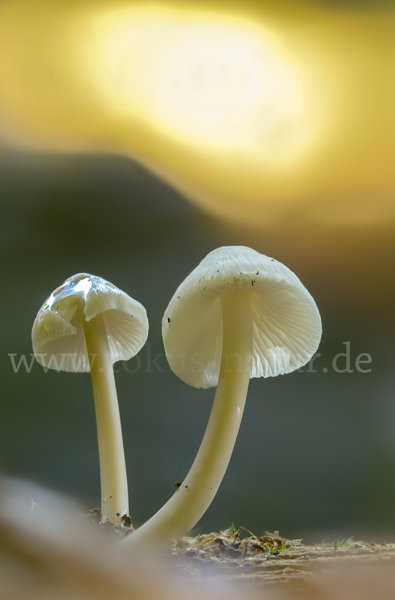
194,496
114,485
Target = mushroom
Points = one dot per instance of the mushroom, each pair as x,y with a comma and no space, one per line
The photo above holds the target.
238,315
87,324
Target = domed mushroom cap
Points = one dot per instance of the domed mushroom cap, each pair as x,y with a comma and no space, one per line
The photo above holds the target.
286,322
58,334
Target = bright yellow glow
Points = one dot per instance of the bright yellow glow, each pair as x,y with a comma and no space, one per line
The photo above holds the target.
254,110
221,83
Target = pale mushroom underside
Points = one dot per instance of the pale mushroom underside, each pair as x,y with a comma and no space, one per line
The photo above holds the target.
286,321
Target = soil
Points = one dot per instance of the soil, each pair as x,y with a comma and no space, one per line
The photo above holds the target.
270,559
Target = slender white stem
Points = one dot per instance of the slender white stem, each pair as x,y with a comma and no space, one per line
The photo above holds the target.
194,496
114,485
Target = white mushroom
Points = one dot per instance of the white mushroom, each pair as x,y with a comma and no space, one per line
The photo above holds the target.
87,324
238,315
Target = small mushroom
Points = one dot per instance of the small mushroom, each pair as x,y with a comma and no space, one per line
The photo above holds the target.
220,330
88,324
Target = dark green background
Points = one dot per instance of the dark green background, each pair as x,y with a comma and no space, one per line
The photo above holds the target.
316,453
315,457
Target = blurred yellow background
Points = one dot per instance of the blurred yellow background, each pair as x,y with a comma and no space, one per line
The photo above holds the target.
250,111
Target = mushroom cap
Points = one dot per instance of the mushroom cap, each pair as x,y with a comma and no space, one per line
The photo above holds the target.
58,334
286,322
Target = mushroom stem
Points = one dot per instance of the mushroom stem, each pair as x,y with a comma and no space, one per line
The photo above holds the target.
114,485
197,491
